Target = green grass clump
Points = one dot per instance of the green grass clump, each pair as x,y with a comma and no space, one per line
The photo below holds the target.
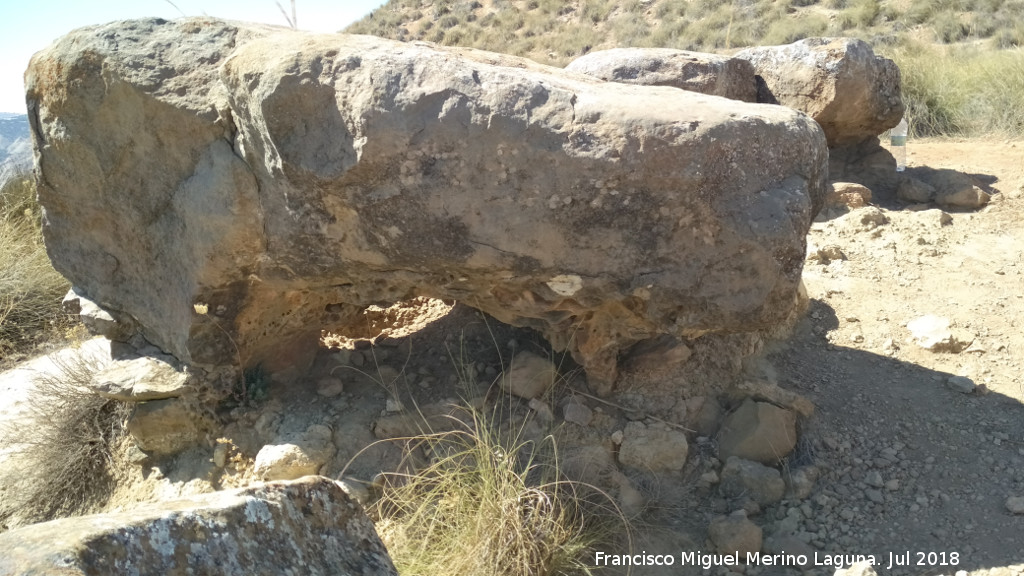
966,91
30,289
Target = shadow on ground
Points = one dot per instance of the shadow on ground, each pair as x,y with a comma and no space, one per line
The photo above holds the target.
950,459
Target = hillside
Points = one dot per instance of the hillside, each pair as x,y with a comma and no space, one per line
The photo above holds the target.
15,149
962,61
555,32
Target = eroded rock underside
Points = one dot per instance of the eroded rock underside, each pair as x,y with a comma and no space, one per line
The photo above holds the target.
232,190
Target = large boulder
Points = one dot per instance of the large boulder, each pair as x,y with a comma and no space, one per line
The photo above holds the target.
309,525
840,82
234,189
705,73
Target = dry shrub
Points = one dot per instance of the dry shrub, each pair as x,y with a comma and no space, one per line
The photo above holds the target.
30,289
63,457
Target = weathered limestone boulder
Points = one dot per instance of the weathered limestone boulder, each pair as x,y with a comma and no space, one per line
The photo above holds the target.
234,189
695,71
309,526
840,82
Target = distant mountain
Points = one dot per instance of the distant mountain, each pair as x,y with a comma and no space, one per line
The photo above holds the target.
15,145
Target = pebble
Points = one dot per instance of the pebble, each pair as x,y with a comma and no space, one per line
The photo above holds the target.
961,384
1015,504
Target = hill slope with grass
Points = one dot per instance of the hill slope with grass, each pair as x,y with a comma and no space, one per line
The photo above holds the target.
962,62
15,149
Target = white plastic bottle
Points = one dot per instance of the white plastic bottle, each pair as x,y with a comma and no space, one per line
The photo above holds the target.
898,140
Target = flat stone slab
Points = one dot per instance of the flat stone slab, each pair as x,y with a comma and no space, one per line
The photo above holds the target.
308,526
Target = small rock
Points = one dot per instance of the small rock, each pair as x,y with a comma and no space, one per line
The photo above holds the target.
762,484
826,254
869,218
709,478
355,489
329,387
544,412
914,191
735,534
617,437
529,376
961,384
892,485
631,502
1015,504
220,455
164,426
392,406
969,197
295,457
758,431
656,448
874,496
800,482
577,412
848,194
934,333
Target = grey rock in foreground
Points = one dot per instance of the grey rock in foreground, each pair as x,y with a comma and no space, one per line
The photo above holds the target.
695,71
235,189
309,526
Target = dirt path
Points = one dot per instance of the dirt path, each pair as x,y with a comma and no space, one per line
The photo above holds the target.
912,464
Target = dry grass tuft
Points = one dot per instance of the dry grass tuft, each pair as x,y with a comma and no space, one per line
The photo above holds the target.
30,289
489,503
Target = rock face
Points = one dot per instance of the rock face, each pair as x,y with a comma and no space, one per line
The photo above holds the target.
267,529
232,190
840,82
705,73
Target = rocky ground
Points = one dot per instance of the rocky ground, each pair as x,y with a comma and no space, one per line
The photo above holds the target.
915,457
917,441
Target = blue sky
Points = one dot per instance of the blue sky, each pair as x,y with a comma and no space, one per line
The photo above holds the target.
27,26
